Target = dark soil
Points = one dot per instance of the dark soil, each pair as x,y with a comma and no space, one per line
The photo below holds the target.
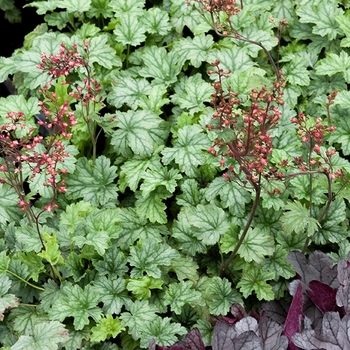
12,34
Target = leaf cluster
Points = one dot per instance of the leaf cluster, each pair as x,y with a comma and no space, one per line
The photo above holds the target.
136,248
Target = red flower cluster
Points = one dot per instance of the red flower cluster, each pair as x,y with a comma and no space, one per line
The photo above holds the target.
243,132
20,152
63,63
312,133
215,6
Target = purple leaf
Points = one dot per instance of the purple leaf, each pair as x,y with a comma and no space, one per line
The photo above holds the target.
193,340
343,268
333,334
323,296
247,341
276,310
294,316
319,268
223,336
343,296
237,310
246,324
271,334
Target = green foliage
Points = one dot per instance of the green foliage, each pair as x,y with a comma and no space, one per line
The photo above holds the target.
145,239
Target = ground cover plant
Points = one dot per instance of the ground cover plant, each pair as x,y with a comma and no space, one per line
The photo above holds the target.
162,161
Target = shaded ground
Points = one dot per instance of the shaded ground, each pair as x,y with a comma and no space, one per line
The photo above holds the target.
12,34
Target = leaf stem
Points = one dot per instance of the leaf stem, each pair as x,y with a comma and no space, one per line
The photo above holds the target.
329,200
24,281
246,227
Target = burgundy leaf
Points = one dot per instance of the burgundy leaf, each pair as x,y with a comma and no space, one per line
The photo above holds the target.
237,310
294,316
323,296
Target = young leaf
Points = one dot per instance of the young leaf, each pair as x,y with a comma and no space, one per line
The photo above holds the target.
185,268
77,303
46,335
139,131
141,287
181,293
34,263
155,100
148,255
72,217
106,328
93,182
98,240
52,252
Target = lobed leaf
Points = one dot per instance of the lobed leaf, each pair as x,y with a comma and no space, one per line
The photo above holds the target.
93,182
139,131
81,304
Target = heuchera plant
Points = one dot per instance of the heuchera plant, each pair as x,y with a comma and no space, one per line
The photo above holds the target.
317,317
143,198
